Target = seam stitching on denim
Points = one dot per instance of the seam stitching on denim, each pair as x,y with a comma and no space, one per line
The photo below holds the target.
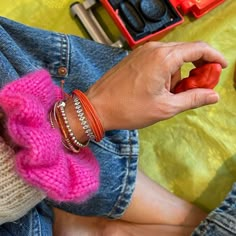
122,193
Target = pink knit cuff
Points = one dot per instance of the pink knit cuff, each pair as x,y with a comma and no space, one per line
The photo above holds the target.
42,161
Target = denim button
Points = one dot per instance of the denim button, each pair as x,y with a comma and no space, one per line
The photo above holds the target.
62,71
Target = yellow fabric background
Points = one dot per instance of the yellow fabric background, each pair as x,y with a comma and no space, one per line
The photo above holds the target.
193,154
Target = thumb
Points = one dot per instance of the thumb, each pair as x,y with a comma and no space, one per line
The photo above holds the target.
195,98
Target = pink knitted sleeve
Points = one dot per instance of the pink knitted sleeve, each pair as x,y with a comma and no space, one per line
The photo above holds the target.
42,161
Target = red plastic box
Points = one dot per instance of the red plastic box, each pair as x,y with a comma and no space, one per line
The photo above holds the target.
143,20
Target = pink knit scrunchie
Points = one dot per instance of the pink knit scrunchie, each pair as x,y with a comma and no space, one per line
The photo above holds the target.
42,161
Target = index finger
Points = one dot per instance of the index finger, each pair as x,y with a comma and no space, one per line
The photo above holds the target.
199,53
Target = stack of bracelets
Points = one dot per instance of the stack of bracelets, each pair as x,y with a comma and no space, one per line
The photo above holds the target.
87,117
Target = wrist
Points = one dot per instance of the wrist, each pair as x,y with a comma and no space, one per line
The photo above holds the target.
101,109
73,121
77,120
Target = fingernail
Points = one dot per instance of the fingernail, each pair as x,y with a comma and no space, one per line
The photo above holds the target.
213,98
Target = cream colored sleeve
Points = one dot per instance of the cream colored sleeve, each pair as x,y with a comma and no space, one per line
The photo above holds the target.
16,197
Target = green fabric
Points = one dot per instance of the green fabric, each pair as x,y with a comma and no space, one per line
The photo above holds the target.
193,154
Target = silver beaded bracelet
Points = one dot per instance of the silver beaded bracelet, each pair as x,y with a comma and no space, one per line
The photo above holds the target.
61,105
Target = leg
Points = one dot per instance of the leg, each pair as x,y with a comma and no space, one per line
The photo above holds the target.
152,209
67,224
153,204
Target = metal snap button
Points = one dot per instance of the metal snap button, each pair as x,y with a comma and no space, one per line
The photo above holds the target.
62,71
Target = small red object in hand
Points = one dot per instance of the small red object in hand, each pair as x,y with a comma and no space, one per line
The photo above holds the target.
206,76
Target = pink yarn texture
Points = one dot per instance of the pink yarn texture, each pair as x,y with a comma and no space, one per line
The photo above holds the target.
42,160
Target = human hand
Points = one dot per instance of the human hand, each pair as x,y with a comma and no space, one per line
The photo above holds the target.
137,92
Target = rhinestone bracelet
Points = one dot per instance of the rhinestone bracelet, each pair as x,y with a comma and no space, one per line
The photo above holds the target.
80,113
91,115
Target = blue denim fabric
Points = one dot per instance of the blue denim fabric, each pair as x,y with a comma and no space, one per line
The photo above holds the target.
38,222
221,221
24,49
